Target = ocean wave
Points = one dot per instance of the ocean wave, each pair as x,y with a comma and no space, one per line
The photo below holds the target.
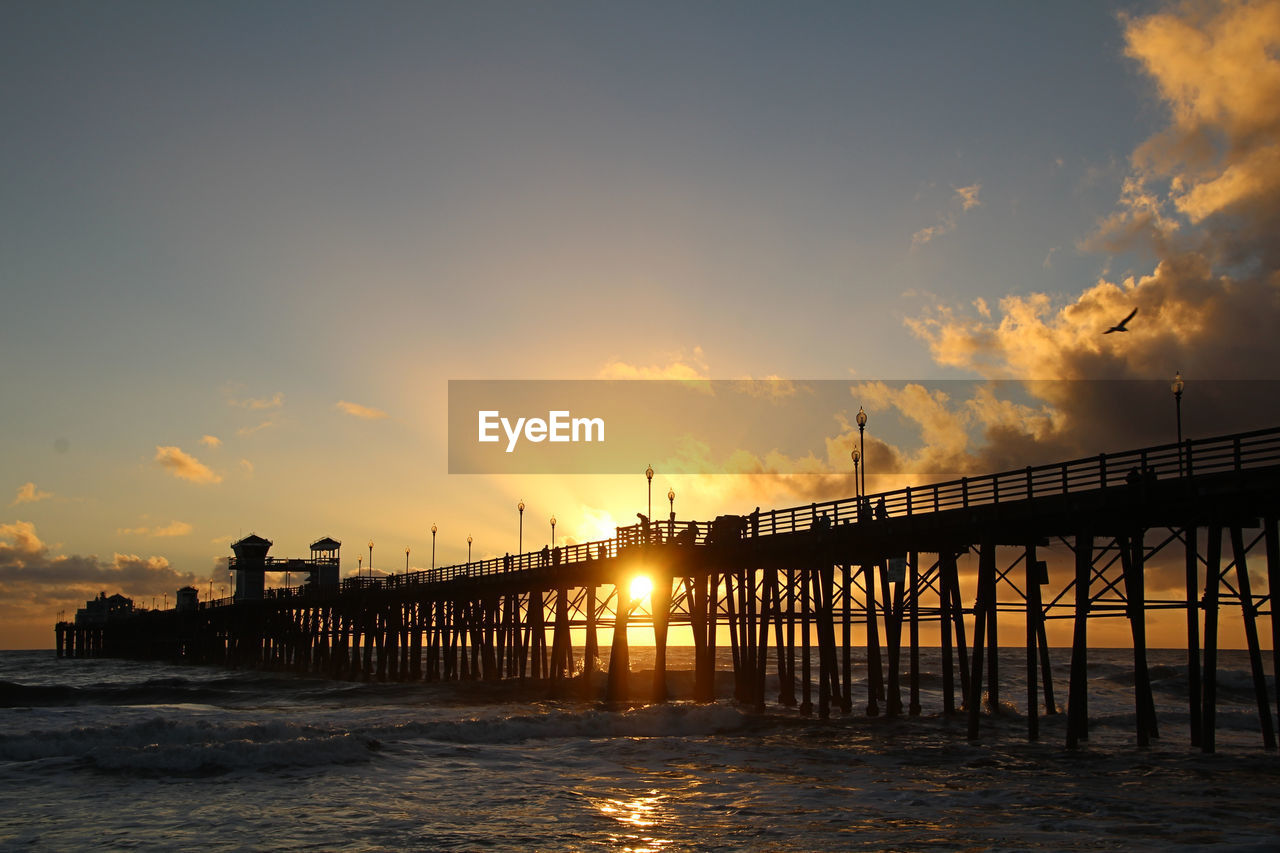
218,757
167,745
183,744
669,720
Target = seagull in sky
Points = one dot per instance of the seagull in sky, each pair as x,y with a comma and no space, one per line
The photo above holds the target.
1120,327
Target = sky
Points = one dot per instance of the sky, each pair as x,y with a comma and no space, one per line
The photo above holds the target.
244,248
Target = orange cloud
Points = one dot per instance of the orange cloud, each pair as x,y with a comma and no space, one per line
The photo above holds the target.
210,441
680,367
969,196
24,542
1203,195
28,493
185,466
359,411
275,401
173,528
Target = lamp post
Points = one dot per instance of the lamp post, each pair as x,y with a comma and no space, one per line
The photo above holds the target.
671,499
406,561
520,541
468,550
856,456
370,559
433,546
359,567
862,447
648,473
553,531
1176,387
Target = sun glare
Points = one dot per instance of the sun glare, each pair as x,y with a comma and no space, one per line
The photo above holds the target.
640,587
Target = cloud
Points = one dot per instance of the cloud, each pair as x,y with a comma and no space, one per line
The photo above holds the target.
36,585
185,466
1203,195
29,494
924,235
275,401
679,367
270,422
968,196
173,528
359,411
210,441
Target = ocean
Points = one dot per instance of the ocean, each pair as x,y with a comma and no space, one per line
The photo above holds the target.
124,755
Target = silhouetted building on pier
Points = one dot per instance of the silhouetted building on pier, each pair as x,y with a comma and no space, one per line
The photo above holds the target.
98,610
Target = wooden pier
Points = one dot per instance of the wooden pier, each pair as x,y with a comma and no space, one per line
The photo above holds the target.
792,591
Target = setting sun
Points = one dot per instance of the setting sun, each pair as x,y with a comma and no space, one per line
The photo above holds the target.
640,587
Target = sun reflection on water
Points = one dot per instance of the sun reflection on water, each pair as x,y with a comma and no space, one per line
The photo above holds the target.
641,817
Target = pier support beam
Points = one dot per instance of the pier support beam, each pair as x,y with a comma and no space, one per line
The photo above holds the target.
1249,613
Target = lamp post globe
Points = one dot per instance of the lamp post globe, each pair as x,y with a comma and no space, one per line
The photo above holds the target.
856,456
671,499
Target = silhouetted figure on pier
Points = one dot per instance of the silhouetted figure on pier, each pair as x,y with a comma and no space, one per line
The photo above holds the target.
644,526
688,536
881,510
544,556
755,522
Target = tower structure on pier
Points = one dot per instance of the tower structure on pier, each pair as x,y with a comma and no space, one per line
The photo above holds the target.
250,566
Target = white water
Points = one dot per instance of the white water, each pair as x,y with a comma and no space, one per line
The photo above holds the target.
124,755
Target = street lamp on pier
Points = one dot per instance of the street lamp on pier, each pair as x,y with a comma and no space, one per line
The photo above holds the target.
553,531
468,550
648,473
520,541
370,559
406,561
862,446
433,546
671,499
1177,387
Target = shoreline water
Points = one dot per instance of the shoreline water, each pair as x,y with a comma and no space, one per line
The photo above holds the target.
162,757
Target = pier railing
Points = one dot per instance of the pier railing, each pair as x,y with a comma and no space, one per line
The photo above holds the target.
1131,469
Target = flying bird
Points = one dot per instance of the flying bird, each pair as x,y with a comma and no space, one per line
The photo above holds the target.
1120,327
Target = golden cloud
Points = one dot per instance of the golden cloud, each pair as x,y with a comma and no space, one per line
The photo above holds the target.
184,466
173,528
275,401
359,411
210,441
28,494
